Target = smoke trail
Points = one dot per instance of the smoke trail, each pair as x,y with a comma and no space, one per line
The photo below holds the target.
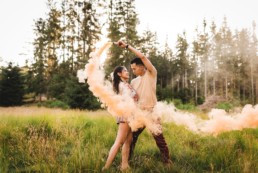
123,105
117,105
219,120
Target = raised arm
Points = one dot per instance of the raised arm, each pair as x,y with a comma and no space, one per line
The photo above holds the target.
147,63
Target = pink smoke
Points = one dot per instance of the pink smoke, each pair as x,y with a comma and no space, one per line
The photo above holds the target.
219,121
117,105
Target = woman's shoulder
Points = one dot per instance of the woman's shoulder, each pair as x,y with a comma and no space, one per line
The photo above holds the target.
122,85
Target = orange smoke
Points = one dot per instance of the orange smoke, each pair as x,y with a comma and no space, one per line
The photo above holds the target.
123,105
117,105
220,121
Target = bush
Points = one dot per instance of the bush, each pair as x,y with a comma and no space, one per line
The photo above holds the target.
54,104
188,107
164,93
79,96
177,102
224,105
200,100
179,105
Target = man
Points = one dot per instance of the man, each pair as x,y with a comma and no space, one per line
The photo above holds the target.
145,86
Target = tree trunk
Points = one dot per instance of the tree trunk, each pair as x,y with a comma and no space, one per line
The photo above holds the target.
252,82
214,86
196,93
226,83
172,84
205,80
256,91
186,84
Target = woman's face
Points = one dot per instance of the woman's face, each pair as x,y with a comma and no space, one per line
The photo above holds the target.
124,75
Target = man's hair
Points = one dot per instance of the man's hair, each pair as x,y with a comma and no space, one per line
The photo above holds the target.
137,61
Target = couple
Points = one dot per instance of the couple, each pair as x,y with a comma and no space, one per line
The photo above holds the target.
143,91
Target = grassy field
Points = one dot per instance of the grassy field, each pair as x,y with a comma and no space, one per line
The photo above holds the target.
51,140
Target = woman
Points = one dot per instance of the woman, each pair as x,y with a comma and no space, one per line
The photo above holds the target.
124,134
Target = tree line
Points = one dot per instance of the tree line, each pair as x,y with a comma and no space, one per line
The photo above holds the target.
218,61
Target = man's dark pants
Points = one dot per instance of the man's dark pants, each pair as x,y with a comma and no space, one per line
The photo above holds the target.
160,141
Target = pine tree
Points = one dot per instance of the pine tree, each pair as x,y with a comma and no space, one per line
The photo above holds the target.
254,64
11,86
122,25
182,60
225,59
89,30
53,42
39,66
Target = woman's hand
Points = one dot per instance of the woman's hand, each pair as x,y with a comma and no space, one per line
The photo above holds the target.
121,44
136,97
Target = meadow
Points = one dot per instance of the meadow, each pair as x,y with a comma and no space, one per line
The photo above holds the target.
37,139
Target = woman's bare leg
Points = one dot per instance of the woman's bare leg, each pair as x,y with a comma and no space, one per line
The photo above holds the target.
120,139
126,150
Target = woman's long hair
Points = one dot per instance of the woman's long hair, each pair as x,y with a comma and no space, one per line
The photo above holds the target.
116,78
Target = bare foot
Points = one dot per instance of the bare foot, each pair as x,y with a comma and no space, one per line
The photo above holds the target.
125,168
103,169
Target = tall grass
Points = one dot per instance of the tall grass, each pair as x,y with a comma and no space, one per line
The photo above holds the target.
52,140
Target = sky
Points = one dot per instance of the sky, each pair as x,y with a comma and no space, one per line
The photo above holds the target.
16,32
171,17
167,18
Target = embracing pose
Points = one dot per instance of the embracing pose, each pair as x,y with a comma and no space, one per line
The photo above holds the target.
143,91
145,86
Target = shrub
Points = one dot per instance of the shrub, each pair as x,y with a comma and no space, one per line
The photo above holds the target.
79,96
54,104
188,106
224,105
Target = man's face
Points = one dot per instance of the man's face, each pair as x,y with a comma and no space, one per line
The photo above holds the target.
137,69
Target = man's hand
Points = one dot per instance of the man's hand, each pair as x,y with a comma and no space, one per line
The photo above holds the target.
121,44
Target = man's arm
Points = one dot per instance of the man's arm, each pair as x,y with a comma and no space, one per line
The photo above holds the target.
144,59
